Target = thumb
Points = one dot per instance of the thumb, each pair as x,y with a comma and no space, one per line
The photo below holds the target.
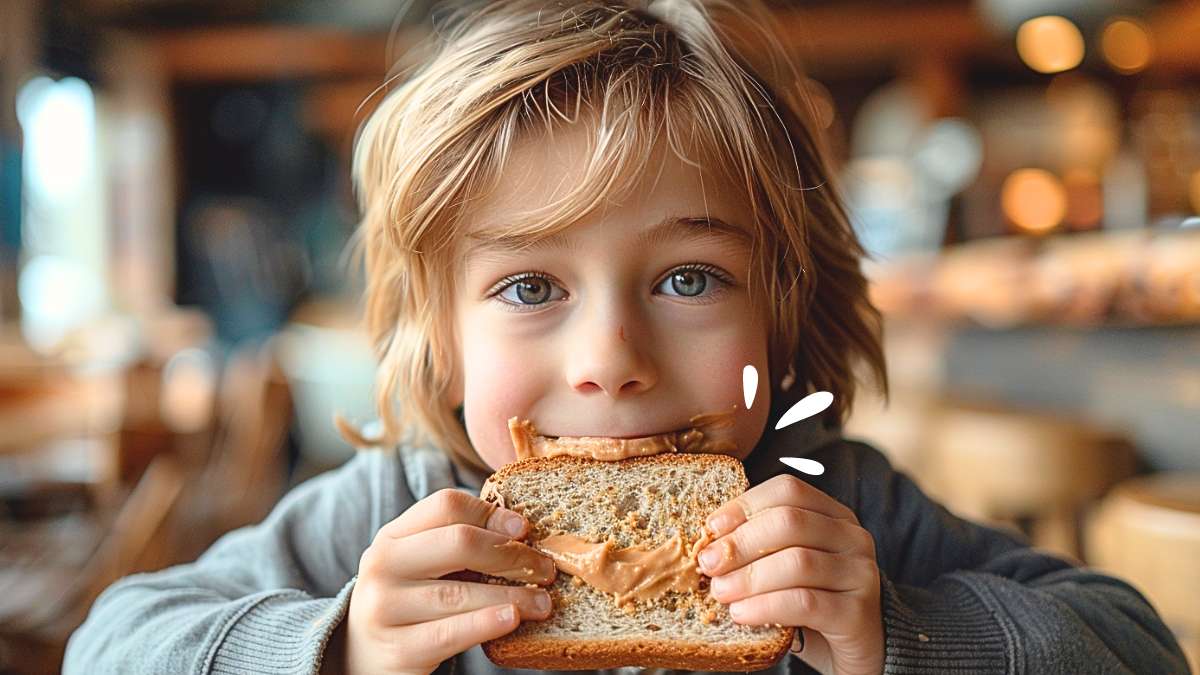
815,652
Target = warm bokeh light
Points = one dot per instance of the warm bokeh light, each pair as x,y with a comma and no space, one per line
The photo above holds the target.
188,385
1194,191
1050,44
1126,45
1034,200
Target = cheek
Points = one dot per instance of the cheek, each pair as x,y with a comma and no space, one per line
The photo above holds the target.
709,371
491,394
749,422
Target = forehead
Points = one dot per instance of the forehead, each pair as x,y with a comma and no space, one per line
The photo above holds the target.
672,228
567,175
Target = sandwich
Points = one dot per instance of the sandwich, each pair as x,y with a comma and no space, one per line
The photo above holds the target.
623,520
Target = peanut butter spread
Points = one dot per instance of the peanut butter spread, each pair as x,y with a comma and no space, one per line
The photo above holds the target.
635,572
631,573
699,438
523,574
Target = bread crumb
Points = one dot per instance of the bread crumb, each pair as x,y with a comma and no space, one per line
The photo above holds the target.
728,550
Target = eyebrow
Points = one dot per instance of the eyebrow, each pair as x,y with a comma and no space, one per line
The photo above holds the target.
671,228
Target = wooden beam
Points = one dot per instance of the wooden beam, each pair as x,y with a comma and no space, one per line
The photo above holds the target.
828,39
862,34
274,52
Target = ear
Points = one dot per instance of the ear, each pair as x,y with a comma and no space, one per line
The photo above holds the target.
455,394
455,391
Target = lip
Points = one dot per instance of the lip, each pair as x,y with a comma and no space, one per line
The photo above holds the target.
627,437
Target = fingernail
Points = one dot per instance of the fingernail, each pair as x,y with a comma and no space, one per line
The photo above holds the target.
709,558
718,524
512,524
542,602
798,641
505,614
719,585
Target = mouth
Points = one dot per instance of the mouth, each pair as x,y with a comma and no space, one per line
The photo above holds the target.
620,436
713,423
712,433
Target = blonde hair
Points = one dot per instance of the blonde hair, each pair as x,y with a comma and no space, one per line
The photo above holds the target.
710,74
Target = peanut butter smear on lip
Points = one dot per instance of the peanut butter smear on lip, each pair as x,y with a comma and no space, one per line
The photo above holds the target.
528,443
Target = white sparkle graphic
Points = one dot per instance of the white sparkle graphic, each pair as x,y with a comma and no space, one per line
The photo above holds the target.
806,407
749,384
805,465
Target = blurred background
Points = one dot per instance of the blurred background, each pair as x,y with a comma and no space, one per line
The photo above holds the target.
178,317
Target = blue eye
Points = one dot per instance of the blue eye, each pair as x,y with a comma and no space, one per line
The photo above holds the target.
533,290
690,281
528,290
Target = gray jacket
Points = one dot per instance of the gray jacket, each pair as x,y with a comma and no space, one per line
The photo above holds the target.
957,596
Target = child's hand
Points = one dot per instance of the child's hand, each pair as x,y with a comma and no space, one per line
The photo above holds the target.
787,553
403,619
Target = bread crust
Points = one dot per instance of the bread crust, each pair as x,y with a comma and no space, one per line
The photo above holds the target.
513,651
519,650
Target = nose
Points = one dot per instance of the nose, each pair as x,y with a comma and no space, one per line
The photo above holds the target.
610,355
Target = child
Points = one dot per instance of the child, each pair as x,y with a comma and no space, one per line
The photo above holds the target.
593,215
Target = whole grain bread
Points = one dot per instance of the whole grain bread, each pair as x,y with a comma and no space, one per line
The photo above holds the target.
641,500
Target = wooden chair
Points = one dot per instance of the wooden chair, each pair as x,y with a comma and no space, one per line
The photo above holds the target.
46,593
169,394
1032,471
1147,531
247,474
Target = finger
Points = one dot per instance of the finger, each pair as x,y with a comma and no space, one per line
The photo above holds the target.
782,490
828,612
789,568
449,506
443,638
420,601
430,554
777,528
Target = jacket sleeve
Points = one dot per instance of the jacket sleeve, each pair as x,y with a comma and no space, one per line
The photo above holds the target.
264,598
959,596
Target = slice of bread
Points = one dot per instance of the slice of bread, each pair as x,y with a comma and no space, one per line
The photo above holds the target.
636,501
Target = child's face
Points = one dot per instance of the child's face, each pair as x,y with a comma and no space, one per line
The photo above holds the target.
611,335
